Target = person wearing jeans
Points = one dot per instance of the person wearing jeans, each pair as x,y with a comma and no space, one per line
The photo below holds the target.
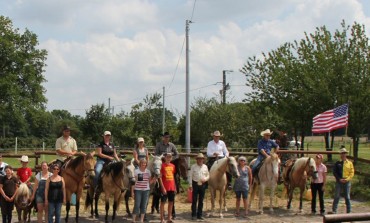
140,191
198,177
55,195
343,172
318,185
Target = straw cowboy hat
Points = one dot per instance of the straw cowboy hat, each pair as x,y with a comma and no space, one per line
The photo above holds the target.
200,156
266,132
217,133
24,159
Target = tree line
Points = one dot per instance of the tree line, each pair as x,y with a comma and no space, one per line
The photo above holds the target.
288,86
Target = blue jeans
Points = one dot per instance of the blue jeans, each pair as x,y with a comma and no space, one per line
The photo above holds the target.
346,187
54,209
98,167
255,165
141,201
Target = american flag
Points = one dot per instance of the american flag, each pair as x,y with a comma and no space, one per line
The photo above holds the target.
330,120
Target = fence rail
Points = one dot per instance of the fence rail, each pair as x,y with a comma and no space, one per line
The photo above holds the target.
346,217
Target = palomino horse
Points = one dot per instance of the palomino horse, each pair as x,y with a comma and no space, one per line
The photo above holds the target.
217,180
22,203
267,177
74,178
297,177
114,180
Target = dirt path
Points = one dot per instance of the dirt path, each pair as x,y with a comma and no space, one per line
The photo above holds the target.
281,214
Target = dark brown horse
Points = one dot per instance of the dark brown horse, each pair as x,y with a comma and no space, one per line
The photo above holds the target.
22,203
74,177
301,170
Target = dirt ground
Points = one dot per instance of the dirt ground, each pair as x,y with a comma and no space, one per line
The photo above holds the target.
281,214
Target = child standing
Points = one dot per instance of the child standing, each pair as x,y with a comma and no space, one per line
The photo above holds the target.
8,190
168,186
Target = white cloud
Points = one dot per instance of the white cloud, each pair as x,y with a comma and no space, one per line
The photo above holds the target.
124,50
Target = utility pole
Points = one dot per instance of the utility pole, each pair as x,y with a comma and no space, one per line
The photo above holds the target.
163,113
187,112
225,86
109,106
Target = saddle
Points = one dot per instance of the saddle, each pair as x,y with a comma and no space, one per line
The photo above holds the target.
287,169
257,170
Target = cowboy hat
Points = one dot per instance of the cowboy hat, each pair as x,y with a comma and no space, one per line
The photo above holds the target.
266,132
343,150
200,156
24,159
217,133
107,133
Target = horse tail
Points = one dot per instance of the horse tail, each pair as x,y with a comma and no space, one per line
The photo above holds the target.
89,199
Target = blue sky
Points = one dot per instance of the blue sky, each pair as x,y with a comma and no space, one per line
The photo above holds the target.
126,49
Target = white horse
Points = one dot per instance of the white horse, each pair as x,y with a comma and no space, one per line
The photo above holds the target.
217,180
267,177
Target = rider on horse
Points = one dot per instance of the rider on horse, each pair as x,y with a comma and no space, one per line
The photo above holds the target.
264,147
216,149
65,146
106,153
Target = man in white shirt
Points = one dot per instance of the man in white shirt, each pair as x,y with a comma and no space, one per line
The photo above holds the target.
216,149
198,176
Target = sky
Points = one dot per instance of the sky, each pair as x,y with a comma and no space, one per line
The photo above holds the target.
123,50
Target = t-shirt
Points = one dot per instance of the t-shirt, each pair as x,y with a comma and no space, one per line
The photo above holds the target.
142,179
68,145
9,185
168,179
24,174
321,169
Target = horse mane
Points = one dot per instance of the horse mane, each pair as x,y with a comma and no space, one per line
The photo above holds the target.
303,162
73,164
114,168
218,163
23,190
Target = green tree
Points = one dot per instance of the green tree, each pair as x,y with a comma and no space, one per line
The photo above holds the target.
21,76
95,123
306,77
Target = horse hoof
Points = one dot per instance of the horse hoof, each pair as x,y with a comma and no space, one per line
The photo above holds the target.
271,210
221,216
225,208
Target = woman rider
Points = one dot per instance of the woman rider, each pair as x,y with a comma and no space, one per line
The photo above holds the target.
140,152
106,153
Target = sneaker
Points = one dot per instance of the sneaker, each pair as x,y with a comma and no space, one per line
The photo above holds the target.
313,212
193,218
322,213
229,187
200,218
332,212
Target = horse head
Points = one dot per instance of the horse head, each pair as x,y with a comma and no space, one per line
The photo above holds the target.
311,168
181,164
155,165
232,167
89,164
275,162
23,196
129,170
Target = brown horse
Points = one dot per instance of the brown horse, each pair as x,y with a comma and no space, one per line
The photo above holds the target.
302,169
22,203
114,180
74,177
181,166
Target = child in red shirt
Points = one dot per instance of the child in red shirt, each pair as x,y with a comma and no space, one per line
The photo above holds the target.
168,186
24,173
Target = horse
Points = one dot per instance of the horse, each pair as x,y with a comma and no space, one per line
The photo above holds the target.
74,178
267,177
297,177
181,166
22,203
154,166
114,180
217,180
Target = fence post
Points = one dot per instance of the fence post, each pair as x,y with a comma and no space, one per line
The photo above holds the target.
16,145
